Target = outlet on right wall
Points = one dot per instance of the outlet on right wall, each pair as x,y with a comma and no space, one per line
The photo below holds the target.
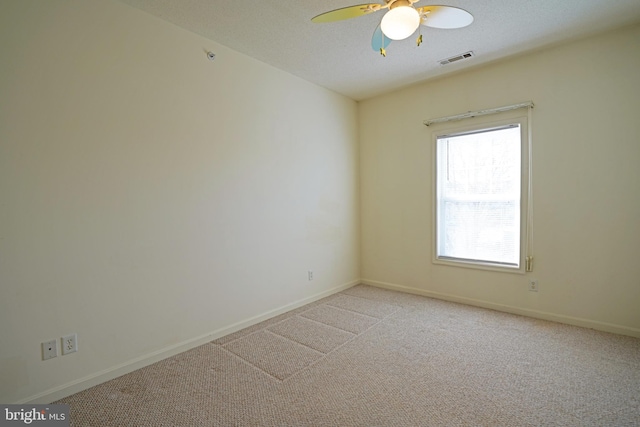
586,183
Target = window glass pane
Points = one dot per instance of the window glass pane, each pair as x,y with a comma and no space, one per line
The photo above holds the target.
479,181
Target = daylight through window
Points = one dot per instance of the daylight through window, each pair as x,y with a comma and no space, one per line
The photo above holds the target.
479,190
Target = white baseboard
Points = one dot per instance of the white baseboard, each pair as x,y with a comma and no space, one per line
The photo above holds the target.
560,318
84,383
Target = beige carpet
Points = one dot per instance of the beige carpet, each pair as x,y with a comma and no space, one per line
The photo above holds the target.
372,357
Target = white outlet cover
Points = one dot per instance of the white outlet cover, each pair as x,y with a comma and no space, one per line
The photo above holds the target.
69,344
49,349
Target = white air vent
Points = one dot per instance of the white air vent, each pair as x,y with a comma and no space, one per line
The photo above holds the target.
456,58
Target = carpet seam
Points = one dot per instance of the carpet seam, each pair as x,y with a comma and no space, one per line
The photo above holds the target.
269,326
372,300
322,355
326,324
297,342
246,362
356,312
356,336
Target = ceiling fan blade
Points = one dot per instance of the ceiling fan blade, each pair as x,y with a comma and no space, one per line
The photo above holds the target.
445,17
379,40
347,12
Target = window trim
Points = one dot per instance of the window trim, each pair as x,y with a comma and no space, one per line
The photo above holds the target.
505,119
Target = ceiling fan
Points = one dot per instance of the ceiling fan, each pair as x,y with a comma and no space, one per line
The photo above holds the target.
401,20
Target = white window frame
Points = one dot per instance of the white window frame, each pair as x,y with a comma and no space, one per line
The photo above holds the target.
525,150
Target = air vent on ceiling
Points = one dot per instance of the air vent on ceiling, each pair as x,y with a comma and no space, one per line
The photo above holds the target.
456,58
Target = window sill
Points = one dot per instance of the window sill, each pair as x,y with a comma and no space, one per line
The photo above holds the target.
477,265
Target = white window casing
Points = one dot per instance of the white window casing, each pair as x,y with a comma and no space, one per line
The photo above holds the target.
502,216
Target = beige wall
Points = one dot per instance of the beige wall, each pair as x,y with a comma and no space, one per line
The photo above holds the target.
586,149
151,199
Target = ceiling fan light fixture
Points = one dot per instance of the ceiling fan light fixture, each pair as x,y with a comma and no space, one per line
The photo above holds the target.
400,22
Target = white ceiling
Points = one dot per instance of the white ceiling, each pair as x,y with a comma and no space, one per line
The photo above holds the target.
339,56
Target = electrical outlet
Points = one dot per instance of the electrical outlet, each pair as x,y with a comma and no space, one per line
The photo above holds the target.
533,285
49,349
69,344
310,275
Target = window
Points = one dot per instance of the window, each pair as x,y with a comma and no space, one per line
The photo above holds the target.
481,195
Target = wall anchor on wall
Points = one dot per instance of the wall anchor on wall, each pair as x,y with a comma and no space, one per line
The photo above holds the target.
211,56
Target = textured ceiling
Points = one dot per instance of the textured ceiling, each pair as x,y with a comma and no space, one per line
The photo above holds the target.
339,56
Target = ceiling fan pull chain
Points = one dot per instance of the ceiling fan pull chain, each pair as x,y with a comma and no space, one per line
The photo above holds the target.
423,20
383,52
